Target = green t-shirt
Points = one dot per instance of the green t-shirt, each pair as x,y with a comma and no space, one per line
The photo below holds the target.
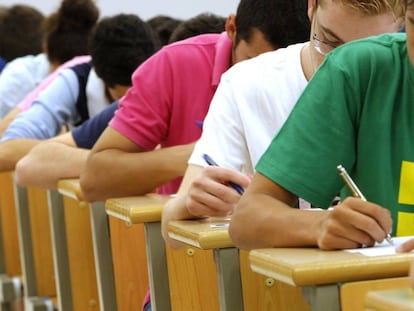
358,111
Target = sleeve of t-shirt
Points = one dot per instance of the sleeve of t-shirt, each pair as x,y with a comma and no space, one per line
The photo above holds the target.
54,107
88,132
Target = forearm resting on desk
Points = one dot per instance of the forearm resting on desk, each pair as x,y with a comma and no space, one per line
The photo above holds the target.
12,151
114,173
264,218
49,162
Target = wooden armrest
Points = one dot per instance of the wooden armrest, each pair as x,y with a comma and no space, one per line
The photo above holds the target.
208,233
401,299
140,209
71,188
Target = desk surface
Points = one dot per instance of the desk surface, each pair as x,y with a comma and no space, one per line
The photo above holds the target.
311,266
206,233
70,188
140,209
395,299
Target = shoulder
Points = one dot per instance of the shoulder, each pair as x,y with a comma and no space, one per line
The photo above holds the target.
266,65
376,49
194,47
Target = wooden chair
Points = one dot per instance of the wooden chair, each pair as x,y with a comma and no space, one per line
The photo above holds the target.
83,229
36,247
10,261
398,299
321,274
239,287
353,293
192,283
130,271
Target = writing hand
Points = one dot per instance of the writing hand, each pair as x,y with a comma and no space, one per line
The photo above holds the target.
210,195
354,223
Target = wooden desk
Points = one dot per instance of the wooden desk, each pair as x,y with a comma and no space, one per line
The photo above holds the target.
36,247
191,284
239,287
147,210
10,261
320,273
401,299
88,245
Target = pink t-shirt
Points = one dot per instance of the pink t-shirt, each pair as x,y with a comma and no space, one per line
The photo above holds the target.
28,100
171,91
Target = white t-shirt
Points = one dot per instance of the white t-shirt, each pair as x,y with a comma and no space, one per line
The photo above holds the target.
19,78
253,100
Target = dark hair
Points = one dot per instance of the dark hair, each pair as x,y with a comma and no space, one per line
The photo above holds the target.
20,32
164,26
118,45
67,31
197,25
281,22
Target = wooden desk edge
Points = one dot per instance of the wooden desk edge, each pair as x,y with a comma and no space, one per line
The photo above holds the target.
323,272
400,299
202,237
70,188
140,209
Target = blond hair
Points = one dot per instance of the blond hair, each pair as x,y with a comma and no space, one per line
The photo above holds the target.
373,7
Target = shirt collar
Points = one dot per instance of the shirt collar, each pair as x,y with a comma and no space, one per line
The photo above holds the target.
222,60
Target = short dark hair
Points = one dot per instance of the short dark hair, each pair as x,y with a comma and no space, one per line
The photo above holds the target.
119,44
197,25
281,22
164,26
20,32
67,31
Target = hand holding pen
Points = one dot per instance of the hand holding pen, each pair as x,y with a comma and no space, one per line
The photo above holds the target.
235,186
356,192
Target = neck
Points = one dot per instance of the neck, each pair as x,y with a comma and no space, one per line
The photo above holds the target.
308,62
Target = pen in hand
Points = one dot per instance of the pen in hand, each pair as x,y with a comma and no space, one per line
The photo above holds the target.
235,186
356,192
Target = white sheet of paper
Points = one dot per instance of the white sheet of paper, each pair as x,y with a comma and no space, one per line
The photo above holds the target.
381,249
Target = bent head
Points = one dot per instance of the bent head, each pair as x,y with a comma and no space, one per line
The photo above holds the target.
265,25
335,22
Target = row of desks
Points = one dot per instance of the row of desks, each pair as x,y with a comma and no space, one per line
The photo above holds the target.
294,279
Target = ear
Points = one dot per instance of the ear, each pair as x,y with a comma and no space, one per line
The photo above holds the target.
311,9
231,27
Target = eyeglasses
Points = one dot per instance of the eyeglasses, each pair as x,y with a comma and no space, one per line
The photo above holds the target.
321,46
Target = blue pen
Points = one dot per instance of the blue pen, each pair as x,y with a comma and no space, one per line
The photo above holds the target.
211,162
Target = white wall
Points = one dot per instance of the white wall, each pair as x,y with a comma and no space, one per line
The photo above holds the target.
145,8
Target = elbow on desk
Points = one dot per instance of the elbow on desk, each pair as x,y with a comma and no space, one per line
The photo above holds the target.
22,176
237,234
89,189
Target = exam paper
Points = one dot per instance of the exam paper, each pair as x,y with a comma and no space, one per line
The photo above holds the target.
381,249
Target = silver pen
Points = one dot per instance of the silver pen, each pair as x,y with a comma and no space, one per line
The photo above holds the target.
356,192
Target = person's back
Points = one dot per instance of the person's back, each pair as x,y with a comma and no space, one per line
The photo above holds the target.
191,70
65,35
255,98
67,153
118,45
354,115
